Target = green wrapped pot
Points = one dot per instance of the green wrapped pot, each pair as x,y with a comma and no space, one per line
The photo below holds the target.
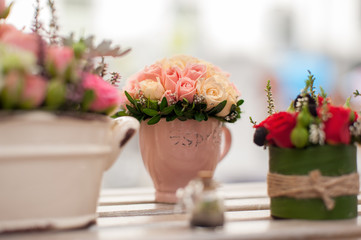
333,161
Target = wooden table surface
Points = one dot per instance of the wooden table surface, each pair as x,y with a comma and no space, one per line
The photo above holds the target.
132,214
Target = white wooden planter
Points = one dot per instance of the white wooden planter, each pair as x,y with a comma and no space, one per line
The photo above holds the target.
51,167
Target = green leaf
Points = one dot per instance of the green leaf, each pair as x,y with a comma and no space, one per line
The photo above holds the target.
205,117
130,99
170,118
185,101
178,109
120,114
153,104
133,110
201,106
347,103
189,114
199,116
182,118
240,102
167,110
139,117
218,108
163,104
193,106
154,120
150,112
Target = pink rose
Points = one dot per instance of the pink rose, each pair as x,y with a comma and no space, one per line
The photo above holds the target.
153,72
4,28
132,86
171,78
195,71
170,96
186,88
34,91
25,41
107,97
2,6
61,57
217,69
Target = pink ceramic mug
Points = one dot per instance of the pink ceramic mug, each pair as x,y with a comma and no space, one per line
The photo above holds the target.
173,152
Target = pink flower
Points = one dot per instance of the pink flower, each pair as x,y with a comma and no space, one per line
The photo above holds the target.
4,28
152,72
170,96
217,69
186,88
25,41
132,86
2,6
61,57
34,91
195,71
171,78
107,97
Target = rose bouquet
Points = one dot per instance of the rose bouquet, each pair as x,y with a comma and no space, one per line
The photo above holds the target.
312,156
40,70
181,87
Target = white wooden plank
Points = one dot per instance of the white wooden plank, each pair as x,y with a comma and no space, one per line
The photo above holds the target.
166,209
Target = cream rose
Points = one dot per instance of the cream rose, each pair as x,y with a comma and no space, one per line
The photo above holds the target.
152,89
227,85
177,61
215,90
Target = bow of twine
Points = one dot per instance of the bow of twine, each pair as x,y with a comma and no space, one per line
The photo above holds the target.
313,185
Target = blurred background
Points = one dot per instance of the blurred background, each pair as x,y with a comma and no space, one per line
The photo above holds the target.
253,40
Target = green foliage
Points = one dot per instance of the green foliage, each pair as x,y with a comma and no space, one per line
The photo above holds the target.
143,109
357,93
309,88
323,93
252,121
270,101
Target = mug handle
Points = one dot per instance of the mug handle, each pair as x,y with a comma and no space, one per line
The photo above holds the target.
123,129
228,141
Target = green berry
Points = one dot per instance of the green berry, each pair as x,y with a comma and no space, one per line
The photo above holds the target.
304,118
79,49
55,96
299,137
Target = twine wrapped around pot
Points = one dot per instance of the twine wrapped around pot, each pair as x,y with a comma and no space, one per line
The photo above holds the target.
313,185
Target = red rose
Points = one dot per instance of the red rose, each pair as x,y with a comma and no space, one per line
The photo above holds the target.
356,116
337,125
321,99
279,126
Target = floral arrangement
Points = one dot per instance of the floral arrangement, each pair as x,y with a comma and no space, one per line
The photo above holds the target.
181,87
311,120
40,70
